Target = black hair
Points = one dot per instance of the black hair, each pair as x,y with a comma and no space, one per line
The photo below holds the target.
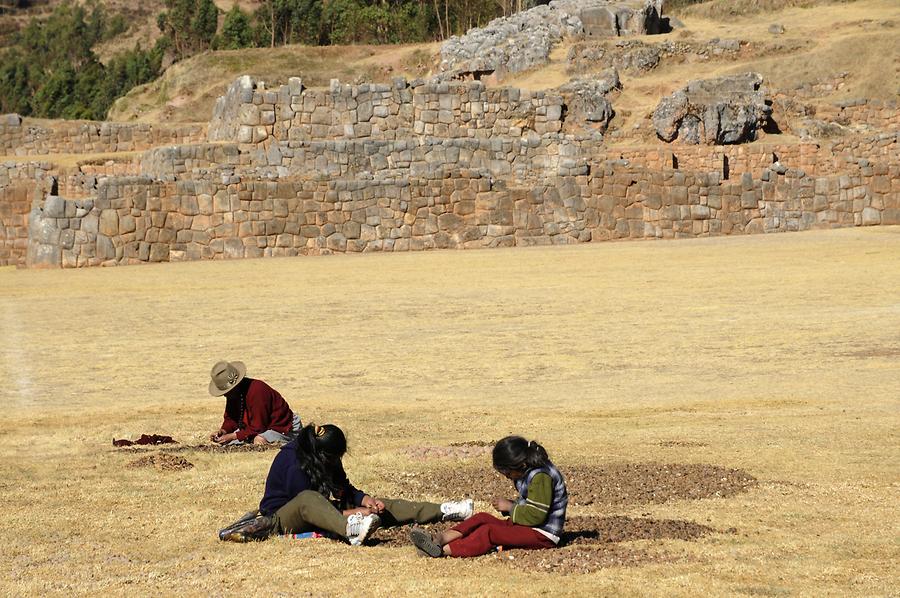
514,453
319,452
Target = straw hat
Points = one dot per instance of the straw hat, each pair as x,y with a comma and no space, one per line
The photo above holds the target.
225,376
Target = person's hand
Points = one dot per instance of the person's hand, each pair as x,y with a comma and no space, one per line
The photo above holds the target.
215,435
226,438
375,505
503,505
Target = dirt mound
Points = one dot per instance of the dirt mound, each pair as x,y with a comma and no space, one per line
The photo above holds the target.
588,544
578,559
587,531
681,443
455,451
489,443
619,528
642,483
609,484
215,448
208,448
162,462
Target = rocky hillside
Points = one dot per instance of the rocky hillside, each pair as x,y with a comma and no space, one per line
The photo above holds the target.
827,51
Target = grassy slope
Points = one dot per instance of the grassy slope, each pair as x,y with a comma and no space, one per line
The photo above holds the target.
778,354
832,37
187,91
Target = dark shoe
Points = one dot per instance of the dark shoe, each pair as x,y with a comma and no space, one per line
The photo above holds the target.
425,542
244,519
258,528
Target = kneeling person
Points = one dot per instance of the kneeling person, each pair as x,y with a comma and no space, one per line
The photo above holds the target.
254,411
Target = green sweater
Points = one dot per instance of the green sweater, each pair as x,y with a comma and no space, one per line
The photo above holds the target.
539,495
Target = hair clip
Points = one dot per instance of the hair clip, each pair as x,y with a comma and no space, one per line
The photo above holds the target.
320,431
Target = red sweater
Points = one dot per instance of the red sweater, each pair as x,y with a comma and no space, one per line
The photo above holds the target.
262,409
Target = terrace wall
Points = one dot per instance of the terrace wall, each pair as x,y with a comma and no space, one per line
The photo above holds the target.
20,184
31,137
139,219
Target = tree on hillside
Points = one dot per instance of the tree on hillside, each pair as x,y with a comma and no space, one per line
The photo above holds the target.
51,69
236,31
16,84
189,25
11,5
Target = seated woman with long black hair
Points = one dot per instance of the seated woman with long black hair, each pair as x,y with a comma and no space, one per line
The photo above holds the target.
305,474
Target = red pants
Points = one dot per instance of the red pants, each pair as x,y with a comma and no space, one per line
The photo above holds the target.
482,532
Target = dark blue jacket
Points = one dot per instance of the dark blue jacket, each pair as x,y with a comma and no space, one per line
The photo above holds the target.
286,480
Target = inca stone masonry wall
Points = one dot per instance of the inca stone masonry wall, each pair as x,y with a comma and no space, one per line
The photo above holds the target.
20,184
814,159
412,166
135,220
30,137
512,133
251,114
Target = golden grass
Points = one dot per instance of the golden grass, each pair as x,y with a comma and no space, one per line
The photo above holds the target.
73,160
819,43
780,353
188,90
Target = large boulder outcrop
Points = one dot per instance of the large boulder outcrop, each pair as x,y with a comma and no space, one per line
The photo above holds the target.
724,110
10,120
524,40
586,100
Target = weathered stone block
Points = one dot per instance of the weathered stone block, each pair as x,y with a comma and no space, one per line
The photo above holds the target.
109,223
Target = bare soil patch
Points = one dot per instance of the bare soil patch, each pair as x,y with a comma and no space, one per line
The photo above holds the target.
446,452
611,484
588,531
682,443
162,463
207,448
579,559
588,544
489,443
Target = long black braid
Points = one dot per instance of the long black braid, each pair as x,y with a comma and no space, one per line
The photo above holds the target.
319,453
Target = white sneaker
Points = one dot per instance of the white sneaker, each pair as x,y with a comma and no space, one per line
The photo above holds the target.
360,527
458,510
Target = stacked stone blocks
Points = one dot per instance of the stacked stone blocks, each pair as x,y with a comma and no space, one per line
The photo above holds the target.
31,137
134,220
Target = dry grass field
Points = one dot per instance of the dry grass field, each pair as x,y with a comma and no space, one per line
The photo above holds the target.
726,411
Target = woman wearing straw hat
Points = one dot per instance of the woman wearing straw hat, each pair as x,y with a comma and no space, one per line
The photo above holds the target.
254,411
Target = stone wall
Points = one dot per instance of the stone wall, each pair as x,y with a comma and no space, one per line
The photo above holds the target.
31,137
20,183
877,114
413,166
140,219
250,114
841,155
179,160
